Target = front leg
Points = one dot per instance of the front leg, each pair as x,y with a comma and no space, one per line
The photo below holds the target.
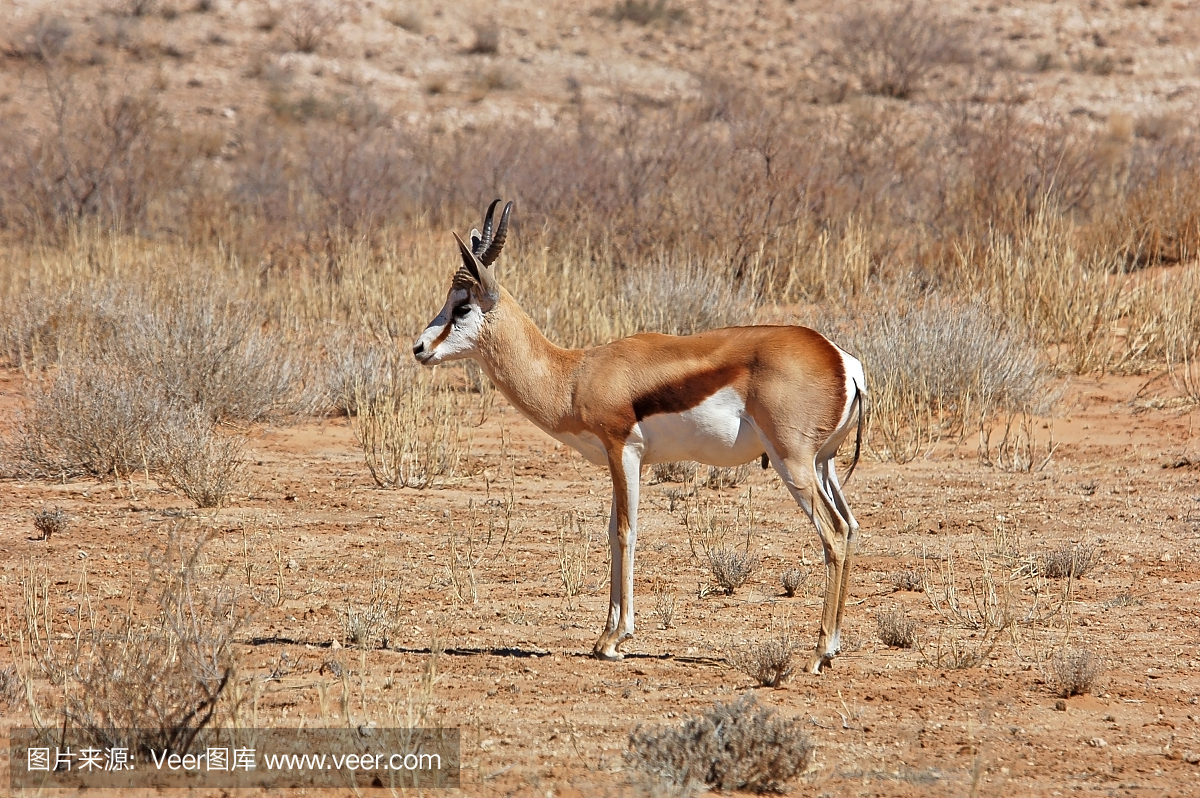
625,466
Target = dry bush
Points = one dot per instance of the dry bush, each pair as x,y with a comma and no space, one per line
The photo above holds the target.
1075,672
44,40
895,628
683,472
11,687
908,579
1018,449
487,38
768,662
936,367
730,567
148,682
51,522
1068,561
954,652
411,435
193,457
793,579
736,746
308,24
649,12
664,605
574,546
718,477
891,48
96,420
103,153
373,622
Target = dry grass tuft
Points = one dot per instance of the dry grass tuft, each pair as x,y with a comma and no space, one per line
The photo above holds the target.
908,579
51,522
896,629
1071,561
719,477
768,662
730,567
736,746
411,434
793,579
683,472
1075,672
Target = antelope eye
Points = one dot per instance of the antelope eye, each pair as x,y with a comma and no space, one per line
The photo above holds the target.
462,311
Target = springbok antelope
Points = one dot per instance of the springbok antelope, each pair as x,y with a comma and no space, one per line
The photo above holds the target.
722,397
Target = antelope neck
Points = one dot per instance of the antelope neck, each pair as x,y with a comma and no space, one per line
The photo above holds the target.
534,374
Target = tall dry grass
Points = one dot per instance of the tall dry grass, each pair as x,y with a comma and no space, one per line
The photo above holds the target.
285,277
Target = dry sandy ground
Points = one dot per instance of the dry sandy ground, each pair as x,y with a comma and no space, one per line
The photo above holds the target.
311,535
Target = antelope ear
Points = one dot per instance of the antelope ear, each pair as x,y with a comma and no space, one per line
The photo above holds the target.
476,239
482,275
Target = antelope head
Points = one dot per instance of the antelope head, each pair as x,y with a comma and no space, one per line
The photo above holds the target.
455,332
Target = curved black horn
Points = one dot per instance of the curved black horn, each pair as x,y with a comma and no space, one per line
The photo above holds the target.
494,245
486,237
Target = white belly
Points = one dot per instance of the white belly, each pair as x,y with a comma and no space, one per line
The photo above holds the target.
715,432
586,444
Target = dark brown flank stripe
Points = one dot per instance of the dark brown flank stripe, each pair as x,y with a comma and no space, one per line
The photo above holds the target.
685,393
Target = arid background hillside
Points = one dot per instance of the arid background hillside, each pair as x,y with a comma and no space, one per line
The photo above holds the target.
228,497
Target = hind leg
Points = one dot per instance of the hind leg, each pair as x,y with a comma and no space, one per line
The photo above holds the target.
805,483
827,473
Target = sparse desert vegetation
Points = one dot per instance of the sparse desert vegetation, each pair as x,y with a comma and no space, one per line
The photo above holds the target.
231,499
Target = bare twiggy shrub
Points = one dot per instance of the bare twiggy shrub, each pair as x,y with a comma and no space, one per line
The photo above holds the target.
907,579
104,155
892,47
683,298
793,579
953,651
731,567
895,628
308,24
44,40
682,471
1068,561
736,746
728,477
1075,672
412,435
768,662
198,460
51,522
162,678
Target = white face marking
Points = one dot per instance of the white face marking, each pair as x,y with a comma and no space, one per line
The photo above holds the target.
454,334
715,432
